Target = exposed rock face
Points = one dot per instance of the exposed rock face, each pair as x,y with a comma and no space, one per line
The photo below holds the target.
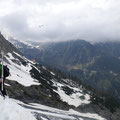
6,46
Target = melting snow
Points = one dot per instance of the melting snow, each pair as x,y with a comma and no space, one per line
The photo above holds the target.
7,84
74,98
20,73
52,73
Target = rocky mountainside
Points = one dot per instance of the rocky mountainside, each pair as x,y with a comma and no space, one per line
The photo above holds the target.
32,85
29,49
6,46
98,64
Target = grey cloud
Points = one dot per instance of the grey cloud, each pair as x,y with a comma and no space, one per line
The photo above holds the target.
41,1
15,23
64,20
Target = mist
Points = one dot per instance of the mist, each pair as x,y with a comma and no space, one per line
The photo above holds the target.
43,21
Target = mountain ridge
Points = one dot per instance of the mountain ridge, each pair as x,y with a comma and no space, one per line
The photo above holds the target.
58,90
33,83
95,64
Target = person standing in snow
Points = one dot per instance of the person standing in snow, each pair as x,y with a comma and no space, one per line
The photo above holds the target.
5,74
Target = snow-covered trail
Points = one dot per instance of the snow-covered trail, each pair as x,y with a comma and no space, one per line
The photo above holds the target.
10,110
49,113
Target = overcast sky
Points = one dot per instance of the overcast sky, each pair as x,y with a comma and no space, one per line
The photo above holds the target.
58,20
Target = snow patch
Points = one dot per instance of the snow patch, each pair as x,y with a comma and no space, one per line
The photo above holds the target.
20,73
43,118
7,85
74,98
89,115
52,73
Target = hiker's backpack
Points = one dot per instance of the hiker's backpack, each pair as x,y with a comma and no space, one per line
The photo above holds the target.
6,71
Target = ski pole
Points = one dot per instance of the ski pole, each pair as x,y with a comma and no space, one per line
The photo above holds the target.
2,71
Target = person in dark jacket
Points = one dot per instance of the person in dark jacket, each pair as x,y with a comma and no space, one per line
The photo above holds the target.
2,80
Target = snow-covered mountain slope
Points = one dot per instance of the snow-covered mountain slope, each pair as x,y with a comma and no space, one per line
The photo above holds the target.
16,110
10,110
21,44
30,49
20,69
32,85
97,65
20,72
56,114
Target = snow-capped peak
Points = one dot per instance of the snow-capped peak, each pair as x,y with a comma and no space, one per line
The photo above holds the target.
20,43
